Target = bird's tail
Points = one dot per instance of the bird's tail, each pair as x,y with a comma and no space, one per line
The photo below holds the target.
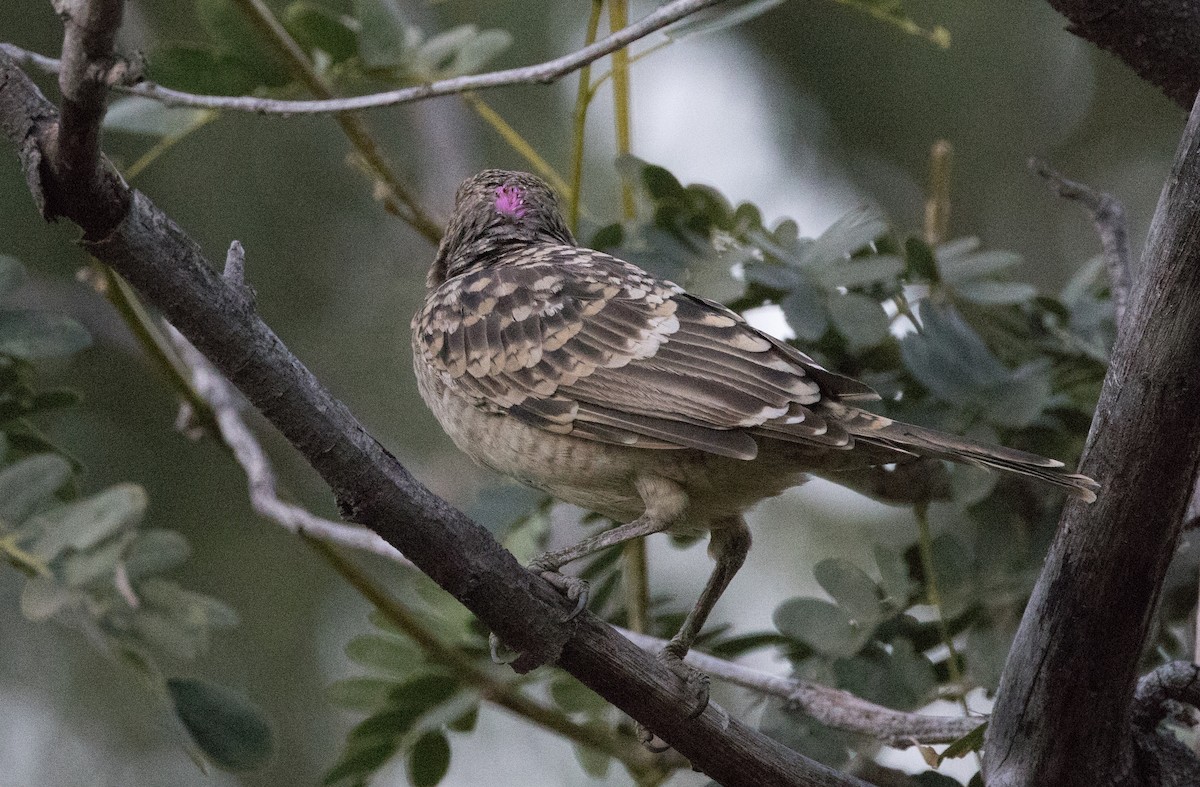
909,438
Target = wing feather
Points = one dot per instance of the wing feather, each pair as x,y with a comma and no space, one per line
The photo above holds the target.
577,342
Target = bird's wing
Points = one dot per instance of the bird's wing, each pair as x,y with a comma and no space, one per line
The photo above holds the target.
578,342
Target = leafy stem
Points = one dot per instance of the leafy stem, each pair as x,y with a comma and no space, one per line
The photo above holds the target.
633,756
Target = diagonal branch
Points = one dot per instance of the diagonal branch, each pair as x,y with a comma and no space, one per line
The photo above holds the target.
540,73
371,486
1064,713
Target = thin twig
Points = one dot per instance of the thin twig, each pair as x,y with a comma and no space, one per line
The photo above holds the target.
225,405
1108,214
516,142
832,707
618,19
540,73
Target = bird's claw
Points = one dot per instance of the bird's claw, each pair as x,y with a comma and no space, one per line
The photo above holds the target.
574,588
695,682
696,690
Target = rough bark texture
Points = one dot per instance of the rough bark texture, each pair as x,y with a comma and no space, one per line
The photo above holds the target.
1158,39
1064,713
166,266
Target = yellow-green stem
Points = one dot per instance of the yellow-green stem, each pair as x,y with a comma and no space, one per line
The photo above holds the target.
148,333
937,204
629,753
399,200
933,596
583,98
618,17
516,141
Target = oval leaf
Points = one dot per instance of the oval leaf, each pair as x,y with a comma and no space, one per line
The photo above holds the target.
429,759
824,626
230,730
24,485
31,335
851,588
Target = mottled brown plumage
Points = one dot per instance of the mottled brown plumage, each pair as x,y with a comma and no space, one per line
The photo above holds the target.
587,377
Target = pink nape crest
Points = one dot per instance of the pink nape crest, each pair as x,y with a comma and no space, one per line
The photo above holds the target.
509,201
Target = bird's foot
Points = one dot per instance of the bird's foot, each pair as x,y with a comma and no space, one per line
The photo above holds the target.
696,689
574,588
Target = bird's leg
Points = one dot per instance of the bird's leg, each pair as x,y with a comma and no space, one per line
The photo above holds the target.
728,545
547,566
665,501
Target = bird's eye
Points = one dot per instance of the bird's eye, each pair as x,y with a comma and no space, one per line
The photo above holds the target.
510,201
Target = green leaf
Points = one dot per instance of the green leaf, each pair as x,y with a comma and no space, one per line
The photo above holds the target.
858,318
851,232
84,524
359,760
920,264
12,274
466,721
429,759
316,28
851,588
996,293
573,697
31,335
154,552
27,484
950,359
83,568
390,654
197,69
804,309
826,627
479,51
958,261
384,36
138,115
860,271
405,704
236,39
894,577
44,597
361,694
594,763
230,730
902,679
972,741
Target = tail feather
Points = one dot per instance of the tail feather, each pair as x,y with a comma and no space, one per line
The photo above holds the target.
877,430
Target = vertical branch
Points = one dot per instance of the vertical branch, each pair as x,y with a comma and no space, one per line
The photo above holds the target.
636,572
618,17
937,204
579,125
1064,716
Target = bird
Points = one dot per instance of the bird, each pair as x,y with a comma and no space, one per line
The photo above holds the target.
585,376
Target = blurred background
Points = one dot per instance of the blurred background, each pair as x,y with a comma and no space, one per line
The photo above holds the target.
807,111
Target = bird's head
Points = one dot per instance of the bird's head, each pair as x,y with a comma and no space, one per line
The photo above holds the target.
494,212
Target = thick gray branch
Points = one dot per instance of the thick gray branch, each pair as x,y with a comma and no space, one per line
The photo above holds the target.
1064,712
87,66
371,486
1158,39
